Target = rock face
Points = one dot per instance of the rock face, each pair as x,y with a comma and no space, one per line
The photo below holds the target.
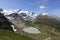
18,23
4,23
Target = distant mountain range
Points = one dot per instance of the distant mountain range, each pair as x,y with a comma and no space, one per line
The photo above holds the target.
18,14
26,15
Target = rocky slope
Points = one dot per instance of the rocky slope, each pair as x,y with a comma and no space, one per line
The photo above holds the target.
4,23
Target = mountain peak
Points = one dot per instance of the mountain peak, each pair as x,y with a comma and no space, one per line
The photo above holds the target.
17,14
45,14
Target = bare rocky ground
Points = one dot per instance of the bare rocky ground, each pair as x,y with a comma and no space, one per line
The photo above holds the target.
18,23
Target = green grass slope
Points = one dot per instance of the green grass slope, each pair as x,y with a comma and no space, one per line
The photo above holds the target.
10,35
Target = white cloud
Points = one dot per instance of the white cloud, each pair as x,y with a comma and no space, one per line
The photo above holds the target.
42,7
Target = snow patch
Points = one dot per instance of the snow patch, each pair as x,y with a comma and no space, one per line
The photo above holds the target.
13,28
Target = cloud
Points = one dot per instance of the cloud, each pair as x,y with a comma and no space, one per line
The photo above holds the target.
42,7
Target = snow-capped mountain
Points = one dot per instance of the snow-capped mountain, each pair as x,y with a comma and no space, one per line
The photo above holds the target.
48,14
18,14
25,15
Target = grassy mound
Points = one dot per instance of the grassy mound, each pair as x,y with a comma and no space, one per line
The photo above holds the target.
10,35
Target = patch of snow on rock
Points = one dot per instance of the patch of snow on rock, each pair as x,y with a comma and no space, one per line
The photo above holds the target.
13,28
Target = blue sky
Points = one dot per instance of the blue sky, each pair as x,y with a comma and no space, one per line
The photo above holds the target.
36,6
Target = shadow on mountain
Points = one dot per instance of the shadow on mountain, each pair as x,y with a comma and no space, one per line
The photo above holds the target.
4,23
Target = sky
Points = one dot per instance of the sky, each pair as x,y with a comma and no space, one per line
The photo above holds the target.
36,6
